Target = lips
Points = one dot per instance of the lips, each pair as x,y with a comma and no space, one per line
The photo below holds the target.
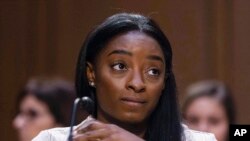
133,101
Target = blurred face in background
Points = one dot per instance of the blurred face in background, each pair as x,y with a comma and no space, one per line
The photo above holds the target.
207,114
33,117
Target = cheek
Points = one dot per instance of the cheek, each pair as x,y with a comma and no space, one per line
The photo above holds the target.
43,123
222,128
154,93
107,89
34,127
221,131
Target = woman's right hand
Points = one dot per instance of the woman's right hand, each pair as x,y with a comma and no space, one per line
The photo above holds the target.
98,131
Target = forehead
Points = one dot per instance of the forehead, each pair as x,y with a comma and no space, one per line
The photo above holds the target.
31,101
134,41
206,105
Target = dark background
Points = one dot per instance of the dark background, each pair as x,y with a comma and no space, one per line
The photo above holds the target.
210,40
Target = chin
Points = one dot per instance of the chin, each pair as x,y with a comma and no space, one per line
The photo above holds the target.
133,118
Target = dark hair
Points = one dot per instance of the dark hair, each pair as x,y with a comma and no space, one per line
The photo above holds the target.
165,120
213,89
56,93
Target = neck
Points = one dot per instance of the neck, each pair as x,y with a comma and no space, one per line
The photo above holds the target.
138,129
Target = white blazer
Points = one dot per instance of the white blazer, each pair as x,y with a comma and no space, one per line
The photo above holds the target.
61,134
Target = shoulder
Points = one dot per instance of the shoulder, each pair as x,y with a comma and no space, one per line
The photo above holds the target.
193,135
55,134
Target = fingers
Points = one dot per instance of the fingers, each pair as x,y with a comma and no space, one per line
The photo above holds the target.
94,131
95,135
94,125
98,131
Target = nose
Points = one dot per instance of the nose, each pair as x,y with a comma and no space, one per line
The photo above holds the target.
19,122
203,127
136,82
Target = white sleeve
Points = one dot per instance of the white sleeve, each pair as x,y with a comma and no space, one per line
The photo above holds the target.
54,134
193,135
203,136
43,136
212,138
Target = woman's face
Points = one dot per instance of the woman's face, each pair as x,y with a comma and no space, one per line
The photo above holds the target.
34,117
129,78
207,114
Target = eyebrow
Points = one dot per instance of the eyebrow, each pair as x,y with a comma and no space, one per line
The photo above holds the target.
120,52
151,57
155,57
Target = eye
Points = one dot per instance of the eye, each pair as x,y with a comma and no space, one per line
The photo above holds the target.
32,113
193,120
119,66
154,72
214,121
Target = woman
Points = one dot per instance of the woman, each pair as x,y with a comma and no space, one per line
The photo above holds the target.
125,66
208,107
43,104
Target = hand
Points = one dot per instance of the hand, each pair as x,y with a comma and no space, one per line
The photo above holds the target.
98,131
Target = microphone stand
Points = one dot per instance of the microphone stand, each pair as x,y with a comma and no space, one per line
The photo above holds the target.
88,104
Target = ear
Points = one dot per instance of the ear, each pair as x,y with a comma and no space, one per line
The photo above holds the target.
90,72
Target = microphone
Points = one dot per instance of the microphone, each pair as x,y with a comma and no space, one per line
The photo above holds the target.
88,104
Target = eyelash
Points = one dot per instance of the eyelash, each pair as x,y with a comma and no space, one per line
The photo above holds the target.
154,69
120,66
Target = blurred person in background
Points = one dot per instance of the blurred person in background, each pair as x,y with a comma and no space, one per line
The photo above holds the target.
209,107
42,104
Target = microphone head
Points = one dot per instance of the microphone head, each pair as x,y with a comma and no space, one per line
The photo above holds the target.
88,104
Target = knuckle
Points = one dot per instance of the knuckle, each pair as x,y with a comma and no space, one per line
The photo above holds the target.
76,138
80,137
112,126
112,137
90,126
